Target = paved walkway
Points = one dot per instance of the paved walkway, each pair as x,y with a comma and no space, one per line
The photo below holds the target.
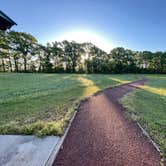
101,136
16,150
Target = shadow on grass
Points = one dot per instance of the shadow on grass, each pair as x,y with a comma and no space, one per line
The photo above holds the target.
42,112
147,106
43,104
109,80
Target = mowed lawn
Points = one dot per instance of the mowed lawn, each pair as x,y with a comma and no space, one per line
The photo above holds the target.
42,104
148,106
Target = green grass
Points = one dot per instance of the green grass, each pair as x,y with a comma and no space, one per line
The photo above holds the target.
148,106
42,104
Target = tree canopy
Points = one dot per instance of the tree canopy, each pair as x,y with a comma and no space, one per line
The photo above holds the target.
21,52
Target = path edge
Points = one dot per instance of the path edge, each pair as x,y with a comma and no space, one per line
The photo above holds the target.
58,146
148,136
154,144
145,133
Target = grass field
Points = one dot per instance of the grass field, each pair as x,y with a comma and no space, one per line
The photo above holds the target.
42,104
148,106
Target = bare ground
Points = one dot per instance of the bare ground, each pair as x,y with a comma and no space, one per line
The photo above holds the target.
101,135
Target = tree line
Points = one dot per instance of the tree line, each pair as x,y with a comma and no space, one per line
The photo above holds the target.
21,52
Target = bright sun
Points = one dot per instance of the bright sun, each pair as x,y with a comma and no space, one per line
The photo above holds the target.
87,36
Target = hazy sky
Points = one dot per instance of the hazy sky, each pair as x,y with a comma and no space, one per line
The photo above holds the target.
135,24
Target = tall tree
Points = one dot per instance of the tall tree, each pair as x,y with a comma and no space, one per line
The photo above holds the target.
4,47
158,62
40,52
57,56
24,43
124,59
47,65
72,54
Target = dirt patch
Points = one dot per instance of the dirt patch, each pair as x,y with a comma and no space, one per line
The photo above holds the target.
101,136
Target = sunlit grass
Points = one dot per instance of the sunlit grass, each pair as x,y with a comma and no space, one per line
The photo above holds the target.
46,101
90,86
148,106
158,91
120,81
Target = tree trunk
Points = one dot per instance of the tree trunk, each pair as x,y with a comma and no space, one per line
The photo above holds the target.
3,65
40,65
39,70
10,64
73,66
25,64
16,65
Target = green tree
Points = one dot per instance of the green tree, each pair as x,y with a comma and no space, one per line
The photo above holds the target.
72,54
47,65
4,47
124,60
96,62
158,62
40,52
57,57
24,43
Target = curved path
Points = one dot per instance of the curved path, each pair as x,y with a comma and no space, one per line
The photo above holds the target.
100,135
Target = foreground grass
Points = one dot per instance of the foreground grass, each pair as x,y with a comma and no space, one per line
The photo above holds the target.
42,104
148,106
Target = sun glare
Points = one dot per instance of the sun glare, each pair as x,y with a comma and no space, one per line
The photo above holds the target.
87,36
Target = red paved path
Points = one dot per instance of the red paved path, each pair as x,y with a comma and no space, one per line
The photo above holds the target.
101,136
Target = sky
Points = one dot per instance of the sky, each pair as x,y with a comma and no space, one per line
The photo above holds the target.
134,24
